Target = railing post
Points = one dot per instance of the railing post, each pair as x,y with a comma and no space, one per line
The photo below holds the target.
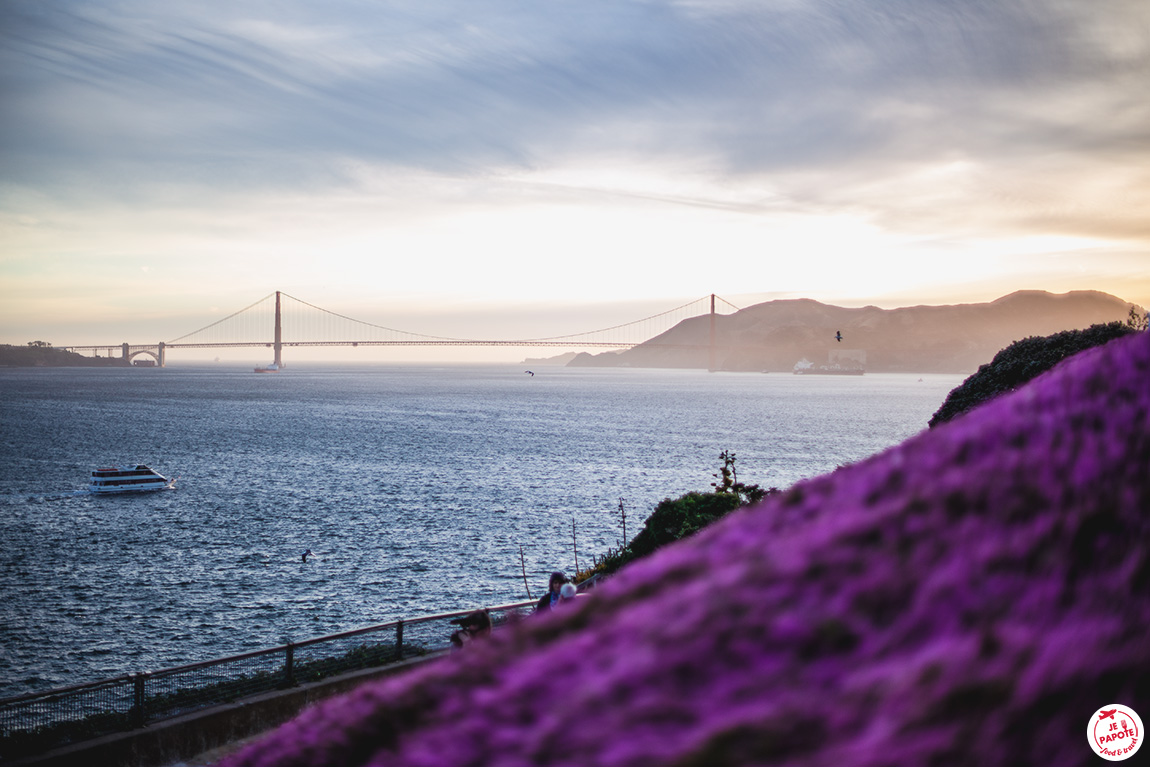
399,640
138,717
289,666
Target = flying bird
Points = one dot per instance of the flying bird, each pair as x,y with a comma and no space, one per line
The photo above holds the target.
304,557
528,372
839,336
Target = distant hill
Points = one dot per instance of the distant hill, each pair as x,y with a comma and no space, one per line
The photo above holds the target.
773,336
46,356
558,359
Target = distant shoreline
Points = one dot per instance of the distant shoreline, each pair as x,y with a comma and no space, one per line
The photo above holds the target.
49,357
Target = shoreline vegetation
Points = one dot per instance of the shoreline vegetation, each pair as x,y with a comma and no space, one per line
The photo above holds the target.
39,354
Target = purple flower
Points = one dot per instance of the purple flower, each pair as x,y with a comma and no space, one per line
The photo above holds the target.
970,596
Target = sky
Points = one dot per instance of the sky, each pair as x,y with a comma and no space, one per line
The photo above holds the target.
514,168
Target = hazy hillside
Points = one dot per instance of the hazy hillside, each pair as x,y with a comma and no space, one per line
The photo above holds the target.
46,356
918,339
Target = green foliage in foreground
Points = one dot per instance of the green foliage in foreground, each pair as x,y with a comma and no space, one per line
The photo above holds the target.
1022,361
677,518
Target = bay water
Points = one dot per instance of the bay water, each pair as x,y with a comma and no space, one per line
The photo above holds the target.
416,487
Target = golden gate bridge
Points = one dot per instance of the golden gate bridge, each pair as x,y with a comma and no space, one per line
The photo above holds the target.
279,320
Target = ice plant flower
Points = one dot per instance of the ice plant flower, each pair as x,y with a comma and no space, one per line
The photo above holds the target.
970,596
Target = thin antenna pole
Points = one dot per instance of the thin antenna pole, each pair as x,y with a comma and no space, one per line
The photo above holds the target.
523,567
574,545
623,513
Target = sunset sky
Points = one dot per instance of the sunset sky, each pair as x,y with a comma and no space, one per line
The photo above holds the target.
499,168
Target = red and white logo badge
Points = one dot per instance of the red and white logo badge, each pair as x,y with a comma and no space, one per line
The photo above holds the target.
1115,732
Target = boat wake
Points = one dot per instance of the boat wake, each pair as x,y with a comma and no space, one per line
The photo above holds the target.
44,497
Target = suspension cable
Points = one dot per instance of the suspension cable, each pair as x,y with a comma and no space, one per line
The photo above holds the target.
616,327
225,319
447,338
371,324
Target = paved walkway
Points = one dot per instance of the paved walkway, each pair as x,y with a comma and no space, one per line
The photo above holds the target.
211,757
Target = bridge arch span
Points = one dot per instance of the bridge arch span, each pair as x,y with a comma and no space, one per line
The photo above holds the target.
147,352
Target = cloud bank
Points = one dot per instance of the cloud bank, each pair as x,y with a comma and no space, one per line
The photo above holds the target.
935,122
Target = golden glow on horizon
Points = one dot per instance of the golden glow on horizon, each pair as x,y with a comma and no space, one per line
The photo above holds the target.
483,259
494,170
566,246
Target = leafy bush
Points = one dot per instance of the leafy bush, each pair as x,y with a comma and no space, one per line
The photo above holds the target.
680,517
677,518
1022,361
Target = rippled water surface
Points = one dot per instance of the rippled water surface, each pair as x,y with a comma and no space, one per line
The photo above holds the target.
414,486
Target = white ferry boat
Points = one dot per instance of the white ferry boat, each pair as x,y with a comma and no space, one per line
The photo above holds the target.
128,479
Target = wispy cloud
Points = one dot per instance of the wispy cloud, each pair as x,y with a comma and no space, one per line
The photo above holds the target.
760,86
929,120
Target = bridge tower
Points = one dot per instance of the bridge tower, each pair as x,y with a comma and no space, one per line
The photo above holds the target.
711,350
160,356
279,341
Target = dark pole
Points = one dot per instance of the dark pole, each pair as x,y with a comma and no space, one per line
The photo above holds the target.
279,342
523,567
623,513
289,665
137,710
574,545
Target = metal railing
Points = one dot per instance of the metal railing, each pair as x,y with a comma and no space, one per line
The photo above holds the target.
36,722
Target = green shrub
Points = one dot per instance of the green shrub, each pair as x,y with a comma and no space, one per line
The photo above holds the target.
1022,361
677,518
680,517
